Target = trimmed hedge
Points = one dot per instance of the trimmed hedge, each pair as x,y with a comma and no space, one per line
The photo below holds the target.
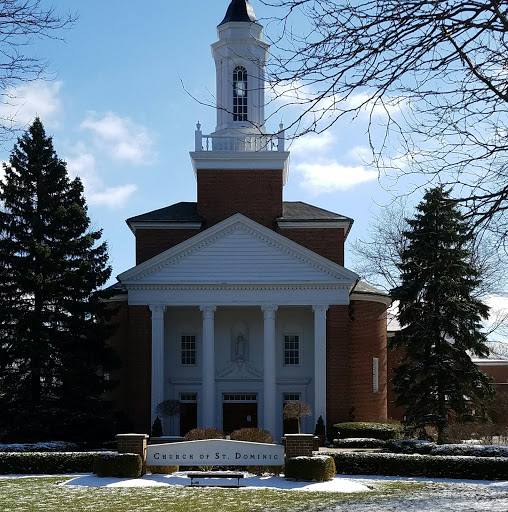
358,443
252,435
413,446
123,465
471,450
47,463
319,468
162,470
435,466
383,431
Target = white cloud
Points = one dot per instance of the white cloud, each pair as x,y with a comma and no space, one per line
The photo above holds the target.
311,143
322,178
113,197
20,105
124,139
83,165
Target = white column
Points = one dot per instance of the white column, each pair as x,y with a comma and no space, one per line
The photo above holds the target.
208,368
157,356
269,365
320,362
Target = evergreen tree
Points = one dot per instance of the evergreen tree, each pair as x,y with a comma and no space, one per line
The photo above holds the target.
52,350
440,320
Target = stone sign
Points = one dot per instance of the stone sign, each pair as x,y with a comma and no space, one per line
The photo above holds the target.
215,452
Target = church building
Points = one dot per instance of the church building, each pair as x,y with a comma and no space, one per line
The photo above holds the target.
241,302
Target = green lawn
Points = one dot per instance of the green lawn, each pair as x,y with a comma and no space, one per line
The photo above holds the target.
44,494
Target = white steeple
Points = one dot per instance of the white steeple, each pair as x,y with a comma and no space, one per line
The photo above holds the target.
240,141
240,57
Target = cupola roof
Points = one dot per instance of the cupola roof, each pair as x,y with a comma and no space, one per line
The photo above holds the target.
239,10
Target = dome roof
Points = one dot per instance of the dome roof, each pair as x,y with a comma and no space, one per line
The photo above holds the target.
239,10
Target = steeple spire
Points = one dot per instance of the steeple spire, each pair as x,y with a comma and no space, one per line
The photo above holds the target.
239,10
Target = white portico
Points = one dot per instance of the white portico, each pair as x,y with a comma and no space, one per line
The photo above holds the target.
254,304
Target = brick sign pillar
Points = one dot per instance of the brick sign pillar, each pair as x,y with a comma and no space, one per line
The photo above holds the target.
133,443
298,445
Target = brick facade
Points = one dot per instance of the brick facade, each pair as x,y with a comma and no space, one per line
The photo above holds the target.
151,242
132,341
367,341
257,194
338,403
355,335
328,242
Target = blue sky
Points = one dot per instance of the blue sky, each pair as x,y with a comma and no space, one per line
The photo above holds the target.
121,107
121,110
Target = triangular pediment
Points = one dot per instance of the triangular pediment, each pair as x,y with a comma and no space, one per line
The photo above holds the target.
238,250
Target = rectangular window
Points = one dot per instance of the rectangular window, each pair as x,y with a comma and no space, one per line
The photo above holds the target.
291,349
188,397
240,397
188,350
375,374
291,397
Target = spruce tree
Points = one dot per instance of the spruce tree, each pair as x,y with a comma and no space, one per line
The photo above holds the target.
440,320
52,267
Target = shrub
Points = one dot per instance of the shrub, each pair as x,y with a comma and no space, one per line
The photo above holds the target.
157,427
320,427
257,435
203,433
31,463
319,468
383,431
470,450
50,446
358,443
162,470
410,446
123,465
395,464
253,435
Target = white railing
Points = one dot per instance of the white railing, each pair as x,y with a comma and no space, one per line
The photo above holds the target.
243,142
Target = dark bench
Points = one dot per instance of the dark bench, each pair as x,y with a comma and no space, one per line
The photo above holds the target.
214,474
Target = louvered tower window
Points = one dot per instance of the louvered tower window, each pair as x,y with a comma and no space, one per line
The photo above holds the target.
240,94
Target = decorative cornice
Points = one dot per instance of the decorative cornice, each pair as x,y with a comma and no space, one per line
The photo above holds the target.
164,225
237,286
294,382
322,224
371,297
185,380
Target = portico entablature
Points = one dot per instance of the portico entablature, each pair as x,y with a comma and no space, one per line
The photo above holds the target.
238,262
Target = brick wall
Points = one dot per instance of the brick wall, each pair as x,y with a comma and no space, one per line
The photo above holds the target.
133,341
337,371
150,242
367,341
257,194
328,243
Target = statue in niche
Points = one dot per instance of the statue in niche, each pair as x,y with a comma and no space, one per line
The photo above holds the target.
239,347
239,344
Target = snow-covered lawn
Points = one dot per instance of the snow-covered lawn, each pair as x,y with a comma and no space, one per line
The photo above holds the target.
168,493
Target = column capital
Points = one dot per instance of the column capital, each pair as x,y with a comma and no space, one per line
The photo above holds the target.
157,310
208,310
320,308
269,310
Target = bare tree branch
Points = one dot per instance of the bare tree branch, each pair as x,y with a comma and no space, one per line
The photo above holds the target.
432,75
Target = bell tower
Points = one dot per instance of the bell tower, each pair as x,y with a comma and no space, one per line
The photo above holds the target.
240,57
240,168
